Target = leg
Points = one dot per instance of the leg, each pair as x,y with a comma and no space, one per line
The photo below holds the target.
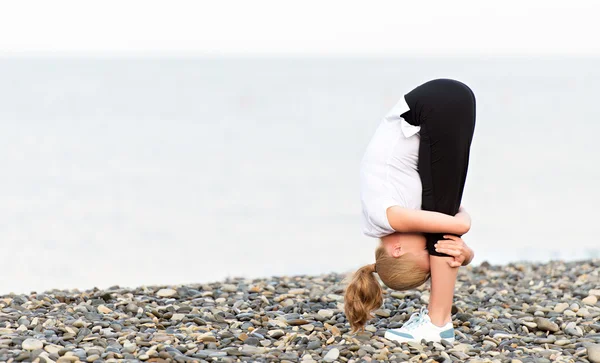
445,110
443,279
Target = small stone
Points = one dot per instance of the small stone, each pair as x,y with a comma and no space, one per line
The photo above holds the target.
52,349
6,331
465,348
595,292
335,297
276,334
252,341
228,288
398,294
460,355
313,344
308,327
177,317
332,355
93,357
569,313
593,351
32,344
166,293
132,308
384,313
545,339
207,338
590,300
326,313
583,312
438,346
287,302
296,322
104,309
560,307
296,291
371,328
562,342
129,347
574,307
502,335
80,323
378,345
546,325
252,350
447,344
573,329
415,346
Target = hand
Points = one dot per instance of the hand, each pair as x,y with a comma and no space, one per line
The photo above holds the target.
457,248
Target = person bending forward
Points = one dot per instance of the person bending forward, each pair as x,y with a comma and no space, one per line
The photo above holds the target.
418,157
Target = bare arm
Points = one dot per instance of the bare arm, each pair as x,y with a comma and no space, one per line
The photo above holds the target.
410,220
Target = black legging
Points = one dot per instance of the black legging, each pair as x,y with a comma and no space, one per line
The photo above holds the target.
445,110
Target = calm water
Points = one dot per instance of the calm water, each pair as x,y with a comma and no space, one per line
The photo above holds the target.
150,171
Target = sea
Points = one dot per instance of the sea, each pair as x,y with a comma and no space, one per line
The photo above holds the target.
152,170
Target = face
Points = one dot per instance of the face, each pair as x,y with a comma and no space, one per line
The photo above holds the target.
400,244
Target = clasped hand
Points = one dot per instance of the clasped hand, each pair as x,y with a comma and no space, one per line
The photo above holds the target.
457,248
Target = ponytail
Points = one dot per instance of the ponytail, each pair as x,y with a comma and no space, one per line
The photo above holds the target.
363,295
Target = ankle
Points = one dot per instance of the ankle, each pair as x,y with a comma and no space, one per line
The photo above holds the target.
440,321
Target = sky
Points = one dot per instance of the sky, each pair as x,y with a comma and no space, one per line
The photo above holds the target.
307,27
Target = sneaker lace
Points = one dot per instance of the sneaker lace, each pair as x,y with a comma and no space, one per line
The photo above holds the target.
416,319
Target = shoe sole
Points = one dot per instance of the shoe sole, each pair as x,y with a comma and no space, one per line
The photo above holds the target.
397,338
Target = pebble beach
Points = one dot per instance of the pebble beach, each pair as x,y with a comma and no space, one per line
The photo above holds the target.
520,312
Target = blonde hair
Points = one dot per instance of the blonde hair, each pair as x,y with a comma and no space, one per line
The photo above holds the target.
364,294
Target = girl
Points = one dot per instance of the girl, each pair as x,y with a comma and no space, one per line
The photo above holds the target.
417,159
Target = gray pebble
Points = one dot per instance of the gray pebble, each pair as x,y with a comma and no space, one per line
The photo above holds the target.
546,325
331,355
313,344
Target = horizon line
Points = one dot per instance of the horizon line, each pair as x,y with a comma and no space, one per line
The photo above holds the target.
258,55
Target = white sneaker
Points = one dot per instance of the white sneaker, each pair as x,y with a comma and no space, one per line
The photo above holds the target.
418,327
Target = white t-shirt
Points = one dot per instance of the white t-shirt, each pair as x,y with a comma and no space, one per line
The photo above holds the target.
388,173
